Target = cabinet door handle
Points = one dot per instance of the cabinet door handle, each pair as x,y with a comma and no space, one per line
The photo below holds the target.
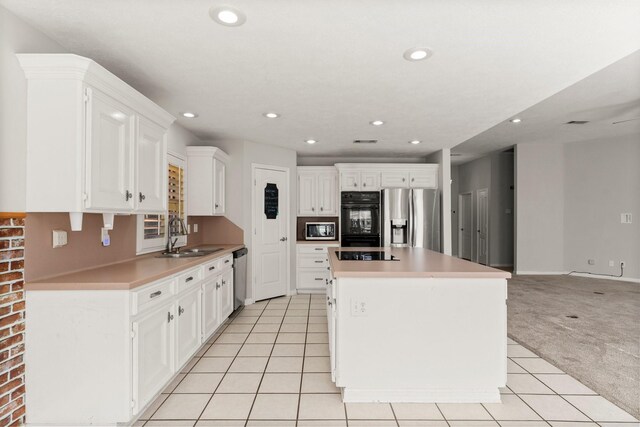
403,179
313,209
355,184
321,208
224,282
188,279
169,317
213,267
217,285
155,294
226,261
364,184
318,262
413,179
180,310
318,249
319,278
127,195
216,206
141,197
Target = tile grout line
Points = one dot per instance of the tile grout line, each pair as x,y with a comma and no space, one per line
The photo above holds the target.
268,358
442,414
554,392
394,414
304,354
230,364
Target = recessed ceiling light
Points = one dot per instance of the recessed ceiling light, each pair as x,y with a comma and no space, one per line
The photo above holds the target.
271,115
376,123
189,115
516,120
227,15
415,142
417,53
311,141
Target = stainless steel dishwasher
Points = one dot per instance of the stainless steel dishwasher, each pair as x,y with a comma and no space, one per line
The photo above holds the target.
239,277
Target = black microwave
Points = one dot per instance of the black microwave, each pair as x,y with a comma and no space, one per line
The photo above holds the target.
320,231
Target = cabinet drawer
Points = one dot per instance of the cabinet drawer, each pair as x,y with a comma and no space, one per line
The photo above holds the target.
226,262
189,279
211,268
312,249
312,279
151,295
313,261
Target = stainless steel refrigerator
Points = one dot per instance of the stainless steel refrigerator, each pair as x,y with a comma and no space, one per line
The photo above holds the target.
411,218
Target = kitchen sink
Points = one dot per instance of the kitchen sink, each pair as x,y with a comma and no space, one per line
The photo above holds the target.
191,253
185,254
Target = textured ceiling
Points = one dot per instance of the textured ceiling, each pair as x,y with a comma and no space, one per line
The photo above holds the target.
329,67
608,100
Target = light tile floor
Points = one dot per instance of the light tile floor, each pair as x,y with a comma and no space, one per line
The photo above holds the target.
269,366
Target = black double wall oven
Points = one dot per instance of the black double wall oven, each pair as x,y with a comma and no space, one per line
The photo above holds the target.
360,219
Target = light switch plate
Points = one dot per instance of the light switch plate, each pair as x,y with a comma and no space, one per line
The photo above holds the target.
59,238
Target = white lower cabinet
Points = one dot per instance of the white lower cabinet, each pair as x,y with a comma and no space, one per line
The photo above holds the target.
188,324
116,350
153,353
225,295
210,321
312,264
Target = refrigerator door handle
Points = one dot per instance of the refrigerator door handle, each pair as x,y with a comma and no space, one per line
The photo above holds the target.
412,234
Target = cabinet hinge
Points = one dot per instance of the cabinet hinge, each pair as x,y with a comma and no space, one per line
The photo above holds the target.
84,196
133,403
86,95
133,333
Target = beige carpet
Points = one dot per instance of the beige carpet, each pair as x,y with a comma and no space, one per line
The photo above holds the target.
601,347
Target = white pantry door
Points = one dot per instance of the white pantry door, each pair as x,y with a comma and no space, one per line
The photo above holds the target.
271,233
482,197
465,224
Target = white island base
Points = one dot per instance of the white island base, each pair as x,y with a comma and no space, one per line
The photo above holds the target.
418,339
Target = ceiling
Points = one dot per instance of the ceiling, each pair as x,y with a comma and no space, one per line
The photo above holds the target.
329,67
609,96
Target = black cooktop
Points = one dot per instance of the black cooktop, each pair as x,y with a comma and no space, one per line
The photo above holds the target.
365,256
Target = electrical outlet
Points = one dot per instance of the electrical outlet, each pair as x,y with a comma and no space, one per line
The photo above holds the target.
626,218
59,238
195,228
358,308
188,228
591,261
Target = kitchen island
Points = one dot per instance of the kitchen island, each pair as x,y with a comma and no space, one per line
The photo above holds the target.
423,327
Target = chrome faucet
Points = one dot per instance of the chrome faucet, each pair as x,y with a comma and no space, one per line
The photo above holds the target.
171,242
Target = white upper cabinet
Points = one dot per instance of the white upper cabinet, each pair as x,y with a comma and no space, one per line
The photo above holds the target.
328,193
151,160
317,191
206,180
109,153
373,177
395,179
103,142
360,180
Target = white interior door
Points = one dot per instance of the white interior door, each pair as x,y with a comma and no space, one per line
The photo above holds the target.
482,231
271,232
464,225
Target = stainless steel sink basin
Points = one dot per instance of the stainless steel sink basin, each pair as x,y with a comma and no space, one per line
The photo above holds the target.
190,253
185,254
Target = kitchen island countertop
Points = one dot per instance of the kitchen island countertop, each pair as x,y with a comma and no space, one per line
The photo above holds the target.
412,262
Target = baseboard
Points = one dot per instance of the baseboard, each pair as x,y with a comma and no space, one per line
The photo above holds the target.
249,301
601,276
564,273
542,273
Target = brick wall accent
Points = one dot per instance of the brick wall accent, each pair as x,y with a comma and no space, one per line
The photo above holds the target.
12,311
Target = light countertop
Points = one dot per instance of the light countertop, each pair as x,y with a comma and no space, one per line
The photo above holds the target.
317,242
127,274
412,262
